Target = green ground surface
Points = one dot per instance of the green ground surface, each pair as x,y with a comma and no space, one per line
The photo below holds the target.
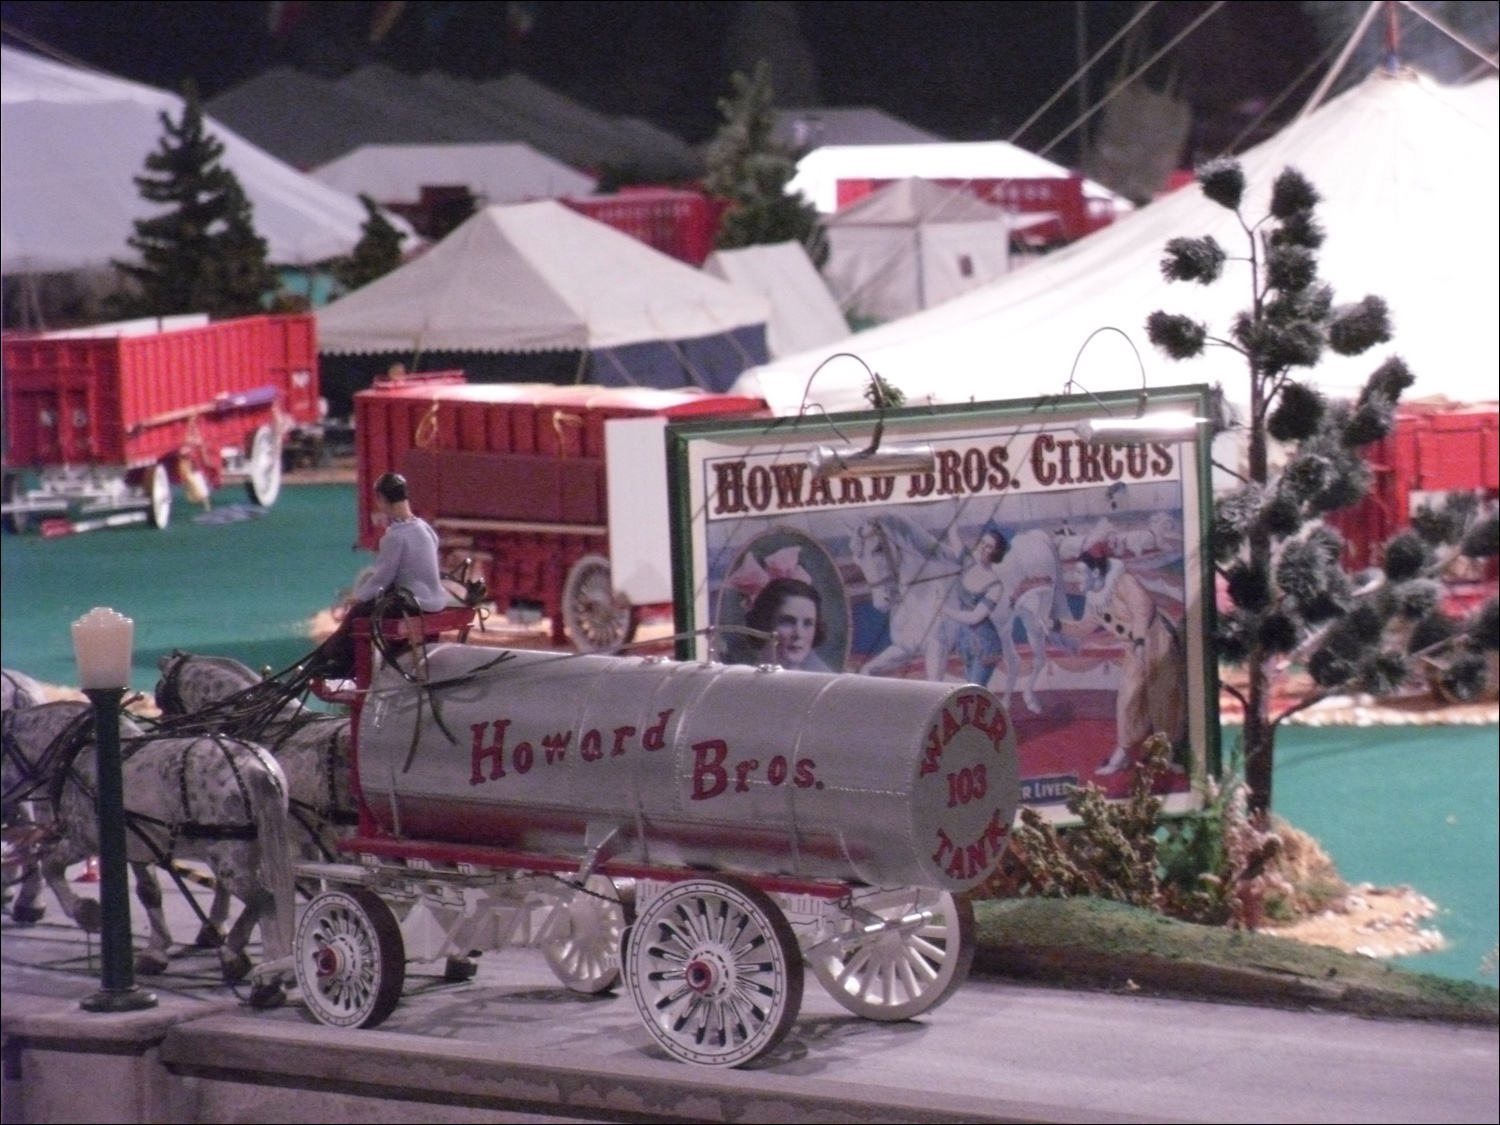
1391,805
243,589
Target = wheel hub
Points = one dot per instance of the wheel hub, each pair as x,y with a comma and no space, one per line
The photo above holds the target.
708,974
329,962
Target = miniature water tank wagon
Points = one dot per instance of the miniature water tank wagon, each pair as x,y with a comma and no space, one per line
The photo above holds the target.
703,830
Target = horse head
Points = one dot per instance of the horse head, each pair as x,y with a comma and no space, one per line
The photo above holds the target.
873,552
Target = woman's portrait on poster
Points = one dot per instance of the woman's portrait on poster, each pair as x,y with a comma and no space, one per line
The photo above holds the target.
785,585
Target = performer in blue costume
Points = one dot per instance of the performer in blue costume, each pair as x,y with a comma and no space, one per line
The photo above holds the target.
978,593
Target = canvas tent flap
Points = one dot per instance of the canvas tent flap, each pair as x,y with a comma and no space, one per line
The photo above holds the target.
803,312
911,245
73,144
495,173
1410,177
539,277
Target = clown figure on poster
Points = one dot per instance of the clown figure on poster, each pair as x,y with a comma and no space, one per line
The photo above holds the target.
1150,698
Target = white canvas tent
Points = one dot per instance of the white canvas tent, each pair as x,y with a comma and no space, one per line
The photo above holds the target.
495,173
73,142
803,312
819,172
912,245
537,277
1410,176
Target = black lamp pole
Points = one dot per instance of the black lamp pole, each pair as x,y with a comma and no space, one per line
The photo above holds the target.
102,643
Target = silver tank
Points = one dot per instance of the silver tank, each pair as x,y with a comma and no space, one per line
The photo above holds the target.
755,771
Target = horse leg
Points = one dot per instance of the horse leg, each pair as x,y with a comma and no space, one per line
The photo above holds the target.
153,959
27,910
893,657
86,912
260,904
1036,637
211,933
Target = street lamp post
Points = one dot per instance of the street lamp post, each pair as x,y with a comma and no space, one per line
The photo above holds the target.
101,646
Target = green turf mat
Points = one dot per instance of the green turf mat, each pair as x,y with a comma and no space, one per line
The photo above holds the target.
1406,804
244,589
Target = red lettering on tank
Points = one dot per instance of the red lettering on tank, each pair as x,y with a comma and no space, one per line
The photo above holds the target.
997,729
523,757
742,771
655,737
975,854
804,778
591,749
776,771
556,745
956,866
621,734
933,752
966,708
495,751
709,776
945,845
981,710
995,833
950,727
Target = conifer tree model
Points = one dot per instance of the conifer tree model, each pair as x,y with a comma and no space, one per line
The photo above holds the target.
201,254
1292,602
748,169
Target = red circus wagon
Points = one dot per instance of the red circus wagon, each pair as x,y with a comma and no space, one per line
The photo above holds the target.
100,422
558,493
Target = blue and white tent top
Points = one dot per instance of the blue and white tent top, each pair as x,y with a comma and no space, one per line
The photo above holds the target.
495,173
73,143
539,277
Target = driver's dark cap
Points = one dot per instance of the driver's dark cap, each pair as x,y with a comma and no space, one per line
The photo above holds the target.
391,488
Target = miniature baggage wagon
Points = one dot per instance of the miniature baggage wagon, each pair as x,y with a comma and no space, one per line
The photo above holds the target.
100,422
557,493
703,830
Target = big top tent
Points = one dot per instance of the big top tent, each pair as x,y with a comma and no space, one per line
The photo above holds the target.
73,143
1410,177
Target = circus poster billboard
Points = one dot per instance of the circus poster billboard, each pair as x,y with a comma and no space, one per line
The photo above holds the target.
1069,577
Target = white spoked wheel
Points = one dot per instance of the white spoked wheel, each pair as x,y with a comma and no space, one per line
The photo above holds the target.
264,482
909,966
714,972
597,618
587,957
159,492
351,962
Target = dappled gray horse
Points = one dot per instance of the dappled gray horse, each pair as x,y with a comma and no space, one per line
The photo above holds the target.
216,800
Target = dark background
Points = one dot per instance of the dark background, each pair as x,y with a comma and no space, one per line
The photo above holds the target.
965,70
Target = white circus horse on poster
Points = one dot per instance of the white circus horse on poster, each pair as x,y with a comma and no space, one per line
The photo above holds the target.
912,577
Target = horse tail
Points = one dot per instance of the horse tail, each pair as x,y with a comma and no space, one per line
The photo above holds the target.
269,810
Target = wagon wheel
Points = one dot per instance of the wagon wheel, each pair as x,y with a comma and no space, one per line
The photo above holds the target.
597,618
159,492
714,972
15,493
351,962
264,482
587,957
901,971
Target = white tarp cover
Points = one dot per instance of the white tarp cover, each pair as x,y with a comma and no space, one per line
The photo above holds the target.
495,173
803,129
1410,177
803,312
912,245
535,277
73,143
819,172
